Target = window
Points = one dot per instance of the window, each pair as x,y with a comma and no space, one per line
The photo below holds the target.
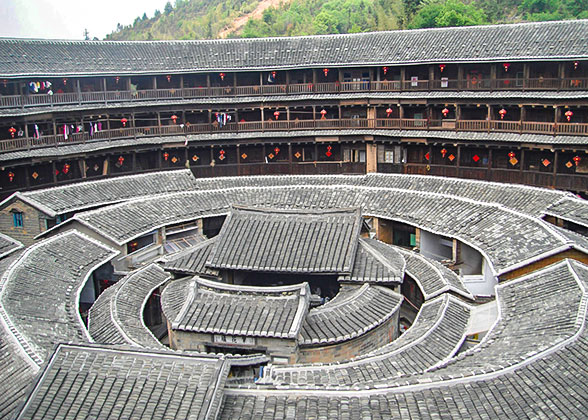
389,156
17,219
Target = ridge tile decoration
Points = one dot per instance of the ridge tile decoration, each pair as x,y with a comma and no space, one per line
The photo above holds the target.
294,241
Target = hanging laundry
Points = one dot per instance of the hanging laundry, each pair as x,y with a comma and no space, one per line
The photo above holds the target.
99,126
37,134
271,78
91,129
65,131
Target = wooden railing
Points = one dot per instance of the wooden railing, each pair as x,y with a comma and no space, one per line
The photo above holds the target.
41,99
22,143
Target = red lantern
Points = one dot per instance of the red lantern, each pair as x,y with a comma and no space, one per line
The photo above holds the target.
277,150
445,111
274,74
328,153
65,169
64,82
326,71
116,79
511,155
12,131
121,160
11,176
442,67
385,69
502,113
506,66
221,154
174,118
576,160
168,77
165,156
568,115
276,114
222,76
388,112
443,152
124,121
576,64
323,113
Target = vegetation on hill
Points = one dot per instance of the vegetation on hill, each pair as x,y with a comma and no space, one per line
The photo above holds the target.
206,19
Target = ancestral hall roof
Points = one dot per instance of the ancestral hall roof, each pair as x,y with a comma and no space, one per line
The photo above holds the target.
293,241
528,41
376,262
219,308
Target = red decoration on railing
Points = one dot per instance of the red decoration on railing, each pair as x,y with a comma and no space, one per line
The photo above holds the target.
442,67
323,114
576,160
116,79
121,160
445,111
385,69
476,158
165,156
65,169
428,156
568,115
174,118
124,121
326,71
168,77
576,64
506,66
11,176
502,113
328,153
443,152
277,114
222,76
388,112
12,131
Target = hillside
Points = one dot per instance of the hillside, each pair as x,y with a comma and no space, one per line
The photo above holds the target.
207,19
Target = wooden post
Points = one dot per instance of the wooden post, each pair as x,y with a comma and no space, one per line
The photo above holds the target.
371,157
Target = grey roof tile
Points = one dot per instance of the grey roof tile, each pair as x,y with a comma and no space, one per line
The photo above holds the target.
534,41
8,245
192,260
376,262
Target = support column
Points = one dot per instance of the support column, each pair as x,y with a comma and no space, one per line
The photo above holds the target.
371,158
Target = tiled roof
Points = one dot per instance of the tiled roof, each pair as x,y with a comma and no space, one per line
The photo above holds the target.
376,262
432,277
8,245
107,383
531,41
219,308
117,315
294,241
525,367
435,336
41,291
480,225
358,312
572,209
192,260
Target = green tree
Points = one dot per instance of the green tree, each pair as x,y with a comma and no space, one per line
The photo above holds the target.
168,8
447,13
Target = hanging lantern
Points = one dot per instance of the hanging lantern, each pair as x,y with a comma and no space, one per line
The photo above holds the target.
277,114
116,79
277,150
576,160
328,153
511,155
326,71
168,77
576,64
11,176
445,111
221,155
323,113
385,69
12,131
443,152
388,112
506,66
165,156
274,74
65,169
174,118
65,82
121,160
124,121
222,76
568,115
502,113
442,67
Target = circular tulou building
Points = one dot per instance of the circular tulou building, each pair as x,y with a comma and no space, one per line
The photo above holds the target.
378,225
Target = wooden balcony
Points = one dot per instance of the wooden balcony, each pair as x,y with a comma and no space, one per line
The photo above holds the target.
128,96
384,124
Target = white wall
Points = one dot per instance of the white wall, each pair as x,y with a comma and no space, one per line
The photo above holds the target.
435,247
